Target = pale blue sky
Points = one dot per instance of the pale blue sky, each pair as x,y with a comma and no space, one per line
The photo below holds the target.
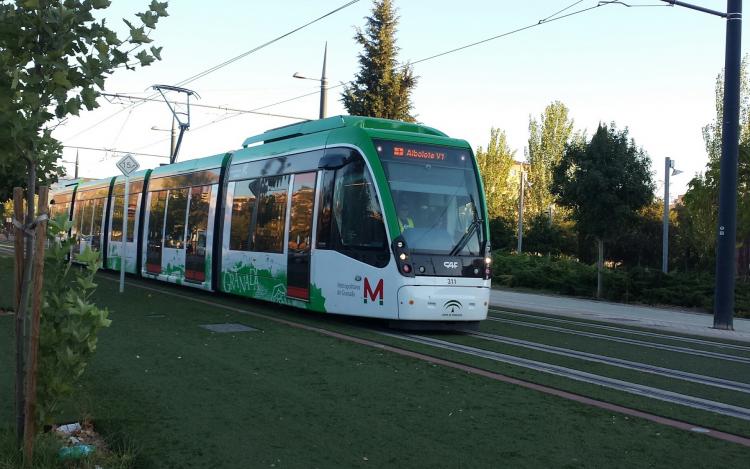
650,69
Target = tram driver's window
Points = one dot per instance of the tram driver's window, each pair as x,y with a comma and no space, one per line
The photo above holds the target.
359,227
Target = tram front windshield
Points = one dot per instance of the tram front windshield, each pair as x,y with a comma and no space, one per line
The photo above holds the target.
436,195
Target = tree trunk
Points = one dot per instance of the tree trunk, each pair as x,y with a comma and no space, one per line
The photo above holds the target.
19,275
28,265
36,310
600,268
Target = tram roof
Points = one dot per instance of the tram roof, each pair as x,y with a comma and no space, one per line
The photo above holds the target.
188,166
136,176
95,184
320,133
322,125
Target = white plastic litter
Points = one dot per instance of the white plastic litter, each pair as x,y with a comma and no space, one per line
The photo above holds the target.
69,429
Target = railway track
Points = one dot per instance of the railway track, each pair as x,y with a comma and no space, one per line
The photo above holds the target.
577,375
631,365
625,340
623,330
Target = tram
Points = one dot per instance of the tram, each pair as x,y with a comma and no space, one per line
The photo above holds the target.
346,215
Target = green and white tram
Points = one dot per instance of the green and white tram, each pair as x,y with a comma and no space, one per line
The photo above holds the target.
347,215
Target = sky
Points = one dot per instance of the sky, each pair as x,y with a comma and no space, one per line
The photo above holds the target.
651,69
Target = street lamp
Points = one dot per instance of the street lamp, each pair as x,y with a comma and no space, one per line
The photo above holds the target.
323,83
668,164
524,183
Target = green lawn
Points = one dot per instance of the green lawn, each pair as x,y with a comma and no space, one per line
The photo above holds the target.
181,396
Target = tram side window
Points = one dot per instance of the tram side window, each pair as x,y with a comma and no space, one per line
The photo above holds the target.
117,217
243,207
324,212
96,229
358,229
174,229
116,230
156,219
198,220
271,216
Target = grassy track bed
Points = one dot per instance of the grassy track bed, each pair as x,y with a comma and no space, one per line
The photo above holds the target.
182,396
354,327
708,366
656,335
648,379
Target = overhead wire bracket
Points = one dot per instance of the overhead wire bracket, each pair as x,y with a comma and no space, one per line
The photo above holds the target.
182,118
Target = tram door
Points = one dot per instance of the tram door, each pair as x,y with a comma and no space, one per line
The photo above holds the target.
300,236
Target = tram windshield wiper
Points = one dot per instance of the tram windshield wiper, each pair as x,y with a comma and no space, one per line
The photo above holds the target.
469,232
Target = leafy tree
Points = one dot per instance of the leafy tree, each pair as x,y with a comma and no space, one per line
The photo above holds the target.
545,237
640,242
547,140
13,171
697,219
54,58
381,88
604,183
494,167
712,131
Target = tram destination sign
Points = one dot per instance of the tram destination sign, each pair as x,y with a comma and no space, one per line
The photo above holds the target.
416,152
127,165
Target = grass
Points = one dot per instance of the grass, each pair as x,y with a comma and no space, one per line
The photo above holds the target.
180,396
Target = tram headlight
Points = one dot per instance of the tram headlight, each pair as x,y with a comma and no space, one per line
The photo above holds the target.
402,256
488,260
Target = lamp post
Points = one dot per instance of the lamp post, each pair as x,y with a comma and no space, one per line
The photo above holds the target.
668,165
323,84
172,138
521,190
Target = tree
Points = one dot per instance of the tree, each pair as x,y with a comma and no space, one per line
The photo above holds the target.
54,58
381,88
494,167
604,183
712,131
547,140
13,171
697,219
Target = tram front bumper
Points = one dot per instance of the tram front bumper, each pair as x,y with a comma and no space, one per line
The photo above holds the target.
432,303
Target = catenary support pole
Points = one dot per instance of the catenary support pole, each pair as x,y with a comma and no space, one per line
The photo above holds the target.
727,223
323,85
665,227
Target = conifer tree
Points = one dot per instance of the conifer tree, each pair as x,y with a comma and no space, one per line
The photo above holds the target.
382,88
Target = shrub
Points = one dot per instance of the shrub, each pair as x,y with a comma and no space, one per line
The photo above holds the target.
70,321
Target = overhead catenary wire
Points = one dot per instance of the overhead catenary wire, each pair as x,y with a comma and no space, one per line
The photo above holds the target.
114,150
540,22
206,106
223,64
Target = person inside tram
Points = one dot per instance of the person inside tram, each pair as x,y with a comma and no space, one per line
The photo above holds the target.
404,218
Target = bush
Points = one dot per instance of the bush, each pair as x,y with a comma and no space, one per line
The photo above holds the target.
567,276
70,321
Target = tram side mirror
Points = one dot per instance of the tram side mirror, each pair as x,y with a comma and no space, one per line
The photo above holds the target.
335,158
